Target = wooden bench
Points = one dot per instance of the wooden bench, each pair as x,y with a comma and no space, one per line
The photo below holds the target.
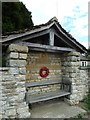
65,90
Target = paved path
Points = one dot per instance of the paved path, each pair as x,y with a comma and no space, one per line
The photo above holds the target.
55,109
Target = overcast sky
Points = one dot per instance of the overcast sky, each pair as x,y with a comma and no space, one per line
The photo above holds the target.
71,14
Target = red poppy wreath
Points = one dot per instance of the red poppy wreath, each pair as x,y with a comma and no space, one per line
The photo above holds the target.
44,72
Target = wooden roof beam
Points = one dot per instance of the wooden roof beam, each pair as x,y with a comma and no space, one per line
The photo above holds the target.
47,48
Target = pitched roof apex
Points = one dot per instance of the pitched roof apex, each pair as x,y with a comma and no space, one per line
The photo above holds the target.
53,19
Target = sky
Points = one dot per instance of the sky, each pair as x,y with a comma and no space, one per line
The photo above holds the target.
71,14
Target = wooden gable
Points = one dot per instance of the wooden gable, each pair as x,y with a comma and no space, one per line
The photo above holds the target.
50,36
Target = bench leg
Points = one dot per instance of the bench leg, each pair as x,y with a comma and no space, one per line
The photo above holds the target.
30,106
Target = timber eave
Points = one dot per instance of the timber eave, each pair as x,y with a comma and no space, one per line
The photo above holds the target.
45,29
46,48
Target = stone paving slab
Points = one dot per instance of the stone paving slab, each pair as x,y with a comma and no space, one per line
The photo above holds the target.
55,109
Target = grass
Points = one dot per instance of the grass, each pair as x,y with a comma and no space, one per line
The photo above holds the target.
87,101
85,104
80,116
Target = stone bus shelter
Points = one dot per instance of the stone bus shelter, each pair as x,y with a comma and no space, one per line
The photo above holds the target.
47,45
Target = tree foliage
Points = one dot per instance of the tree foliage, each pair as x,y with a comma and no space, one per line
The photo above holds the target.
15,16
89,51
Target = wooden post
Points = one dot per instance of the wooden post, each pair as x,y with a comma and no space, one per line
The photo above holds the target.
51,38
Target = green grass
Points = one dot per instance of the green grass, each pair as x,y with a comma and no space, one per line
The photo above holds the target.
80,116
87,101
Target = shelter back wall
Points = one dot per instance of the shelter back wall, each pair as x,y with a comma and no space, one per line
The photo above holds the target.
37,60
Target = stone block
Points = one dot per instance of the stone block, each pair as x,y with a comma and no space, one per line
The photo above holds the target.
78,58
22,56
13,63
21,84
2,103
17,63
6,83
71,102
8,78
6,94
0,116
21,89
22,70
1,88
4,69
72,69
74,54
4,73
11,112
14,70
12,98
25,115
72,75
67,64
8,91
21,96
20,78
10,86
22,63
22,110
73,58
17,48
23,105
13,55
77,64
13,103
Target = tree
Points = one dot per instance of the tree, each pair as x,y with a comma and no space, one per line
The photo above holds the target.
15,16
88,53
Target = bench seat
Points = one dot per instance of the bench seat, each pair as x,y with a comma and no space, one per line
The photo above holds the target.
46,96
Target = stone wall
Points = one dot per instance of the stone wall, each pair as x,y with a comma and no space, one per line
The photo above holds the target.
37,60
13,83
62,67
84,82
1,104
89,78
24,66
71,72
